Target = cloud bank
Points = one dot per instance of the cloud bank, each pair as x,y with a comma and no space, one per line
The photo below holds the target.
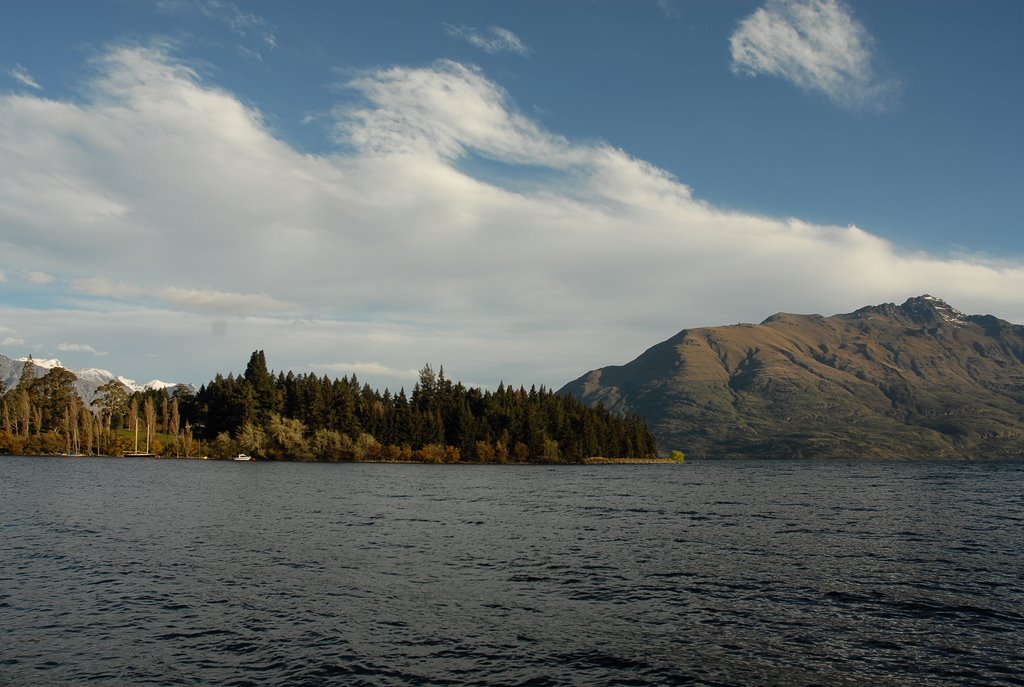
179,225
816,44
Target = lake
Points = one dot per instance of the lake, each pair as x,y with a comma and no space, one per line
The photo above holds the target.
173,572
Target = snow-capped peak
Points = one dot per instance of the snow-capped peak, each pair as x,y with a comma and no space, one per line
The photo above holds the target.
153,384
45,364
157,384
944,309
94,374
130,383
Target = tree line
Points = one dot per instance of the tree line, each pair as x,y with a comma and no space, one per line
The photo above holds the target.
288,416
45,415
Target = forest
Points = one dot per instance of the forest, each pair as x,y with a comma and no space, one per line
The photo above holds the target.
288,416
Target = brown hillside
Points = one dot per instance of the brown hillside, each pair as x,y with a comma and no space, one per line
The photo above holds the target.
916,380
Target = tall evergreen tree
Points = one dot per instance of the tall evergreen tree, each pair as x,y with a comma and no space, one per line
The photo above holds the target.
327,419
52,394
262,382
27,376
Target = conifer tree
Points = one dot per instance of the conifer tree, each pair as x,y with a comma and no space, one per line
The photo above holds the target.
441,420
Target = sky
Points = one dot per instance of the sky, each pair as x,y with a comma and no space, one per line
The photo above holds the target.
518,191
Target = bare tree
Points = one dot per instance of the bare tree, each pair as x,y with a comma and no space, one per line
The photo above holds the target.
150,410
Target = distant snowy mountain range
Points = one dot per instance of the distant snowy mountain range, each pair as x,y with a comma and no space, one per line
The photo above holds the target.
89,378
95,374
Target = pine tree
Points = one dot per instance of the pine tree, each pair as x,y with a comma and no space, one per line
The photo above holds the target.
262,382
317,417
28,375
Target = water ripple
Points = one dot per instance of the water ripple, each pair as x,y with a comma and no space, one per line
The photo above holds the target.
193,573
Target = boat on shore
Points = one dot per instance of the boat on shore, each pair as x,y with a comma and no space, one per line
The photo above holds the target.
243,456
137,453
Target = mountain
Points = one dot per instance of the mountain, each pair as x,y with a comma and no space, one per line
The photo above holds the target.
919,379
89,379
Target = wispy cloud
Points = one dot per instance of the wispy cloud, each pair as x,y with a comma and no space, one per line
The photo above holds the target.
255,31
816,44
493,39
246,23
22,76
388,249
13,341
104,287
669,9
206,300
184,298
79,348
375,369
37,278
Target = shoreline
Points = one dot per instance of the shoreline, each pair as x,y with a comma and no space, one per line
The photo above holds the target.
585,461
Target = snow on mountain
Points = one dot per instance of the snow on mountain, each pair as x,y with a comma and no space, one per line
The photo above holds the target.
157,384
153,384
89,379
94,374
45,364
945,310
131,384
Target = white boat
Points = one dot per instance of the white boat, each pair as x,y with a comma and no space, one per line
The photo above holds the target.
243,456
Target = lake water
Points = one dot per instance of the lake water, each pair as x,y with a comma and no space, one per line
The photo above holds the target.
165,572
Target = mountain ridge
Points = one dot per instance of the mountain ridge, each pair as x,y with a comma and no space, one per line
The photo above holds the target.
887,381
88,379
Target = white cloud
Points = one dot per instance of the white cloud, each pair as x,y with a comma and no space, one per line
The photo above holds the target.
13,341
816,44
221,302
184,298
494,39
217,237
445,110
78,348
22,76
105,287
38,278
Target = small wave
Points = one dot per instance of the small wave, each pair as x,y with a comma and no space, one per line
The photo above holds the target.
603,659
172,636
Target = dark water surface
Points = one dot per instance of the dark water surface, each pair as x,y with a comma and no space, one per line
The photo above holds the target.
125,572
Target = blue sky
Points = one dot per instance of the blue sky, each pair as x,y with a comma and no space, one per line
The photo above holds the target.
516,190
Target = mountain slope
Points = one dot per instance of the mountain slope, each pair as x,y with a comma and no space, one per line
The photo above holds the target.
916,380
88,379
